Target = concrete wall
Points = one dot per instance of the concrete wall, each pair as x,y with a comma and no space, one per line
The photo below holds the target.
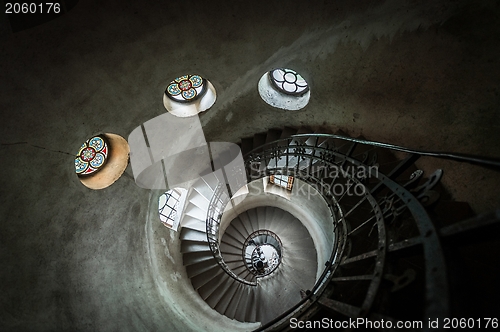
424,74
177,295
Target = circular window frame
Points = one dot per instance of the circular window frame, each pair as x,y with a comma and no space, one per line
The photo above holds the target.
274,82
277,98
250,241
86,145
180,79
116,162
186,108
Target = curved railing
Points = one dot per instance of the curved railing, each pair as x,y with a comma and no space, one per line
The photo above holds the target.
216,207
248,261
486,162
310,157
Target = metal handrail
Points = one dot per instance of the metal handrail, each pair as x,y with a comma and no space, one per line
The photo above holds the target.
213,235
252,236
214,215
305,154
285,148
330,266
462,157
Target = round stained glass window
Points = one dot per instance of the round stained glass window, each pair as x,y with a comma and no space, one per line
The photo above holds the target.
288,81
92,156
186,88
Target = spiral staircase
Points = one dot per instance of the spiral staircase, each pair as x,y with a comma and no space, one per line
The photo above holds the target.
235,299
390,245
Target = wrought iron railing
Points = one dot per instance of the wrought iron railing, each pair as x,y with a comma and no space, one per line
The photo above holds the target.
220,200
310,158
263,236
216,207
321,148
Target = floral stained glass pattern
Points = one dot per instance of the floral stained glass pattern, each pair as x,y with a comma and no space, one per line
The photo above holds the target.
288,81
92,156
186,88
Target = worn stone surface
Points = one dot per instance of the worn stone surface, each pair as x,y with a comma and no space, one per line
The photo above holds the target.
419,74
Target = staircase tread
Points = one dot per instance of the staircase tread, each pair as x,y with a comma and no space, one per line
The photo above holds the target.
224,301
201,267
304,130
207,289
195,257
202,278
193,223
287,132
230,240
194,211
246,145
239,225
273,135
251,308
275,293
227,248
193,246
259,140
204,191
188,234
235,302
220,291
211,180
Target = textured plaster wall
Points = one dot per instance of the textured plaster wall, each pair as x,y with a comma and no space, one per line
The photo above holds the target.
420,74
178,298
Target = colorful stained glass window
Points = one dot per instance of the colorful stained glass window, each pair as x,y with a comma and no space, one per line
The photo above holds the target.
186,88
284,181
92,155
168,203
288,81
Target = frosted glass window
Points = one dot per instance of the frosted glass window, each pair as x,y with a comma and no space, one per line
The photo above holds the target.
283,181
168,204
285,89
288,81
